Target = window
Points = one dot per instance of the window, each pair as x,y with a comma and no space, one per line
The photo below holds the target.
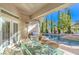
15,31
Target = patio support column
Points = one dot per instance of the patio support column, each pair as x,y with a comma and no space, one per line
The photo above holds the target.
38,25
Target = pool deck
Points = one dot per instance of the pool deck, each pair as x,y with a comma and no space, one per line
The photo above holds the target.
72,49
68,50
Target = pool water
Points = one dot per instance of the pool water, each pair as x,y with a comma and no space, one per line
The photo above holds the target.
60,40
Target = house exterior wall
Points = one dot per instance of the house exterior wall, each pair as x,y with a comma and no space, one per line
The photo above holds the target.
21,21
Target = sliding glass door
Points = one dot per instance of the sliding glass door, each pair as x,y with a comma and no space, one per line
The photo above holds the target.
8,30
15,32
1,21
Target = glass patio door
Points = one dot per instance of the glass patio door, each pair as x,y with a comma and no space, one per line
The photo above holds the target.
4,32
1,22
8,30
15,32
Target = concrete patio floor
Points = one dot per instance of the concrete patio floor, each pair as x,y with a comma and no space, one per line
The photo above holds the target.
73,50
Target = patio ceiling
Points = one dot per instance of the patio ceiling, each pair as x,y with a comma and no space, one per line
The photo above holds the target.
29,8
49,8
36,10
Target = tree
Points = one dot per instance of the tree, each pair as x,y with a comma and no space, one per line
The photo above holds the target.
51,25
59,22
41,27
69,21
42,24
46,25
64,21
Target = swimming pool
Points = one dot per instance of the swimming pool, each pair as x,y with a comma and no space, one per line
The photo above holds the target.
60,40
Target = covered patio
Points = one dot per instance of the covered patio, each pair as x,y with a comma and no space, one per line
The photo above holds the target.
22,19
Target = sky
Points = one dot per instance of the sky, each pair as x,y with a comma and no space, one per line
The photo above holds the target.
74,14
